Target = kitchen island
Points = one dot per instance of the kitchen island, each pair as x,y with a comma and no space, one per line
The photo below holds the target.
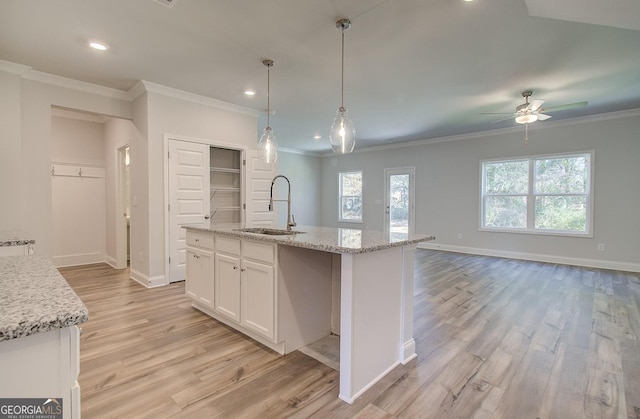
39,336
288,291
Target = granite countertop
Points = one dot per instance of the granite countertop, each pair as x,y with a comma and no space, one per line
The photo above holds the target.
35,298
328,239
14,238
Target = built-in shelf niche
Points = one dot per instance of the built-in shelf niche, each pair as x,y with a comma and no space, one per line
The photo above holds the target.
225,186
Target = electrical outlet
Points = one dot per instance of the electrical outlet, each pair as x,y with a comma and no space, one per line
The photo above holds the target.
601,247
459,236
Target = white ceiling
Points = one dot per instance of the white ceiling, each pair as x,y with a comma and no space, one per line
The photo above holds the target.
414,69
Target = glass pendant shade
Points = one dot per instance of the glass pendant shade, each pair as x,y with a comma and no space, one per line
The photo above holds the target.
268,146
343,133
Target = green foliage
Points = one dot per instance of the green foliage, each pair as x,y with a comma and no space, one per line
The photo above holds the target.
560,190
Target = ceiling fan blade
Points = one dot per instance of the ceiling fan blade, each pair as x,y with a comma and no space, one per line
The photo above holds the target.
497,113
535,104
563,107
502,119
542,117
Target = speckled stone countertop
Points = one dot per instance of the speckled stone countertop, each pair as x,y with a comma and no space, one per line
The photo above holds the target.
14,238
35,298
334,240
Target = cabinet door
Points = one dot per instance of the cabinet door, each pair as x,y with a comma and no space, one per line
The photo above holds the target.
258,297
227,285
193,274
207,288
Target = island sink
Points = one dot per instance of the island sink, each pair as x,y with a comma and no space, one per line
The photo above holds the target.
270,231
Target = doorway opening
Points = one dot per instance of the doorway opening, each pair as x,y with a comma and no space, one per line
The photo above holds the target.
123,202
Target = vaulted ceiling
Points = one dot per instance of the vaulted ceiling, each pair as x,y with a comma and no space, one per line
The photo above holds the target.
414,69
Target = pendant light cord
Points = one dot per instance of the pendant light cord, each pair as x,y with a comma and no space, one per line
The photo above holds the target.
342,74
268,94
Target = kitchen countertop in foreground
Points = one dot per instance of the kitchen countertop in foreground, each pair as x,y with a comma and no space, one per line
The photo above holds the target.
14,238
328,239
35,298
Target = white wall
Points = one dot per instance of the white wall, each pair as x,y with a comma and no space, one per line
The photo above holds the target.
117,134
10,152
303,171
78,203
37,98
447,189
184,115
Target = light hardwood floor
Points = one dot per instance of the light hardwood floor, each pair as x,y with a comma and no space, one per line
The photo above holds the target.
496,338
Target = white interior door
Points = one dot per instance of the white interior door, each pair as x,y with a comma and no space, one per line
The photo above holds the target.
258,185
188,198
399,200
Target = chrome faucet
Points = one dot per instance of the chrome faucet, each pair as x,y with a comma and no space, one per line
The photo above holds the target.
291,221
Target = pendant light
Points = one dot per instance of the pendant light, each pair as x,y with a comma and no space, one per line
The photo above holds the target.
267,145
343,133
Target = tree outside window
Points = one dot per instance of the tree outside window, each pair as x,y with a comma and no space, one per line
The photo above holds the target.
350,196
543,194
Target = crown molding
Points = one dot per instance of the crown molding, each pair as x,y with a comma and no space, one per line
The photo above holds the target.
194,98
500,131
301,152
78,115
82,86
13,68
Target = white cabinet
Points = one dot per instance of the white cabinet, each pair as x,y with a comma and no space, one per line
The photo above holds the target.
257,304
227,284
233,280
200,266
245,283
44,364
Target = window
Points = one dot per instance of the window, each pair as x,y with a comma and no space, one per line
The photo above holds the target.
350,197
547,194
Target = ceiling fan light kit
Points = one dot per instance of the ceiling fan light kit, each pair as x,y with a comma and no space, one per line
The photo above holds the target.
343,133
526,118
532,111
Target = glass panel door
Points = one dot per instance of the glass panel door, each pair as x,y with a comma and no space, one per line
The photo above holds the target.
399,201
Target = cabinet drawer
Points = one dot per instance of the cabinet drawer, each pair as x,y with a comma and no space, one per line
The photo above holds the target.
258,251
200,240
227,245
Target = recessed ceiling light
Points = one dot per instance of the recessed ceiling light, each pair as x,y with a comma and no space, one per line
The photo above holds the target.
100,46
468,1
250,92
317,137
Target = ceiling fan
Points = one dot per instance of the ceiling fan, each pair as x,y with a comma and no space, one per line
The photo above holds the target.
532,111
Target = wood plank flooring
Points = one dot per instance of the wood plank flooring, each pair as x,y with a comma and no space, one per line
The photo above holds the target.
496,338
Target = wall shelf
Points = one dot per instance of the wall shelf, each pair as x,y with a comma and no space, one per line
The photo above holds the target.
225,186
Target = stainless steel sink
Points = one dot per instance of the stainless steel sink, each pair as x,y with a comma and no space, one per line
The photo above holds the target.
270,231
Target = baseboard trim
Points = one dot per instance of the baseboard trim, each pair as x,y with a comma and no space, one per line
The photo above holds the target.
536,257
77,260
111,262
148,281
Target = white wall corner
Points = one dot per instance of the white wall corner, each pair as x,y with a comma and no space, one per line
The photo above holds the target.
148,281
137,90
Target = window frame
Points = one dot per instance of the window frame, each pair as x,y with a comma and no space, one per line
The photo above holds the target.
531,195
341,196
